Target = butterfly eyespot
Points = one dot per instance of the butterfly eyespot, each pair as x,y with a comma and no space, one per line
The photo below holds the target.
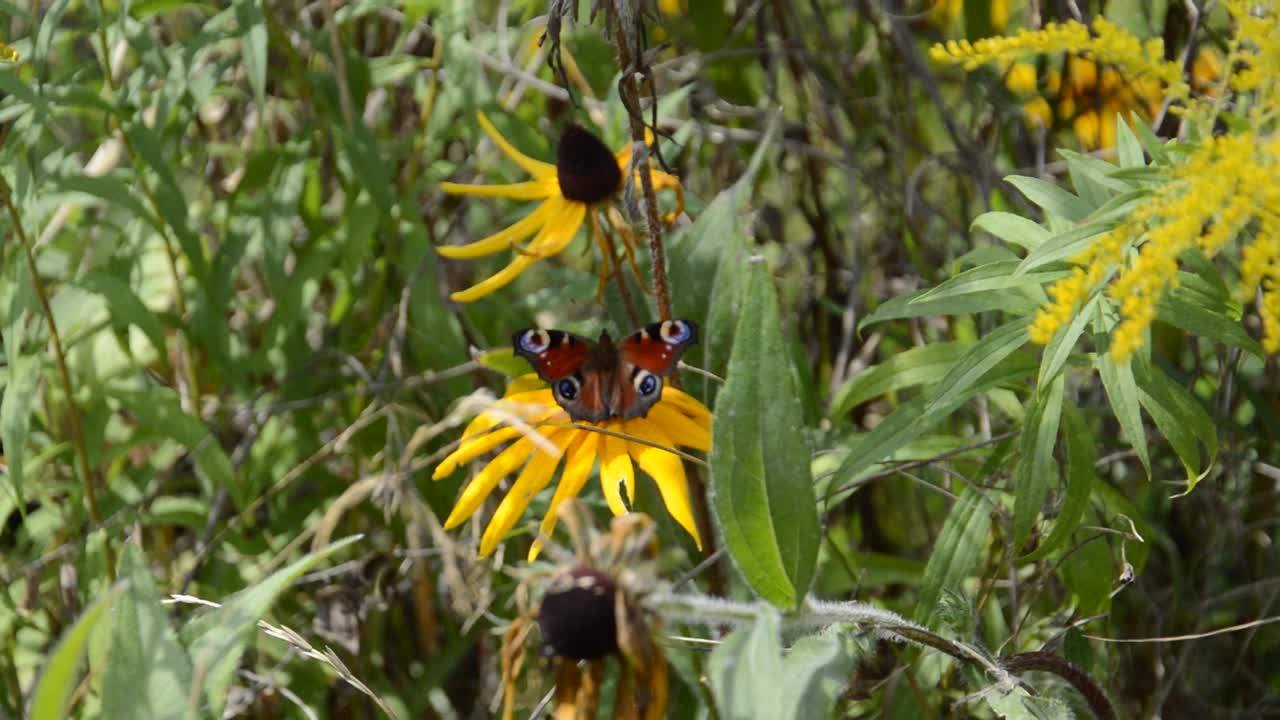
675,331
647,384
535,341
567,388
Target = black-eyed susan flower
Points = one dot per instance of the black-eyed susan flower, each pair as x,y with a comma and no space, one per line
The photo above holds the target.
585,175
541,434
591,609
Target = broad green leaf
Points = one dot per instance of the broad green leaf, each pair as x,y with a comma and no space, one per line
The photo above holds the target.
974,364
1017,704
147,673
1081,455
1054,199
169,198
986,278
1181,419
708,261
1036,468
219,638
60,676
160,410
1122,393
1092,177
923,365
815,672
737,666
1152,144
15,415
1013,229
762,492
956,552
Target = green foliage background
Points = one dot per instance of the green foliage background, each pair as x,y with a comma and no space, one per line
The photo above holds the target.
232,233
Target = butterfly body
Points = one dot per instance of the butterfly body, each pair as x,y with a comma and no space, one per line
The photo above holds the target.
602,380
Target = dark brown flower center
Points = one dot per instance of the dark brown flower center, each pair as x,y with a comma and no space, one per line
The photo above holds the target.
587,170
577,615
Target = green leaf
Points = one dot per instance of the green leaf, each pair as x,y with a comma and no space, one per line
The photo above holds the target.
147,673
1087,572
1014,302
114,190
815,673
127,309
956,552
1013,229
1055,200
49,699
1062,247
974,364
737,666
986,278
219,637
1152,144
1058,351
1128,149
1081,454
15,415
762,492
253,47
1195,313
923,365
909,420
168,195
1092,177
160,410
1036,468
1181,419
1122,394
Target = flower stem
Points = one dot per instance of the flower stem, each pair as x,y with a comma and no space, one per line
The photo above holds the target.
60,357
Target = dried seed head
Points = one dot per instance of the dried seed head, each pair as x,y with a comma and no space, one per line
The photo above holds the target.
577,617
587,170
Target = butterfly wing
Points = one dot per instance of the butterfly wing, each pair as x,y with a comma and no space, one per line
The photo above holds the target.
647,356
561,359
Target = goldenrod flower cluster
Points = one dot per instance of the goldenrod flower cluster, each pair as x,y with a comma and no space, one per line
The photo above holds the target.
1222,189
1226,185
1107,43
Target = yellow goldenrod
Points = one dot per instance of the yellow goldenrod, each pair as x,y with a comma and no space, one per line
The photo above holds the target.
544,433
585,175
945,13
1216,191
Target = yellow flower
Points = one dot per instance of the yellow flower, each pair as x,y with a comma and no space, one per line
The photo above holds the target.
544,433
585,175
8,54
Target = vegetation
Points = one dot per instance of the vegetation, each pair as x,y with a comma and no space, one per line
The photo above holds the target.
976,305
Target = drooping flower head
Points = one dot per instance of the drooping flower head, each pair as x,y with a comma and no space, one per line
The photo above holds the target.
584,177
544,434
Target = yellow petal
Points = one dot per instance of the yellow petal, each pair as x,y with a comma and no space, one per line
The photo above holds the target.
560,230
532,479
688,405
528,190
681,429
667,471
473,448
616,471
581,457
528,382
496,281
536,168
486,480
506,237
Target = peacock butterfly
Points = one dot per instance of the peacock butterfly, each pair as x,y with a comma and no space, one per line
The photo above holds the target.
601,380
